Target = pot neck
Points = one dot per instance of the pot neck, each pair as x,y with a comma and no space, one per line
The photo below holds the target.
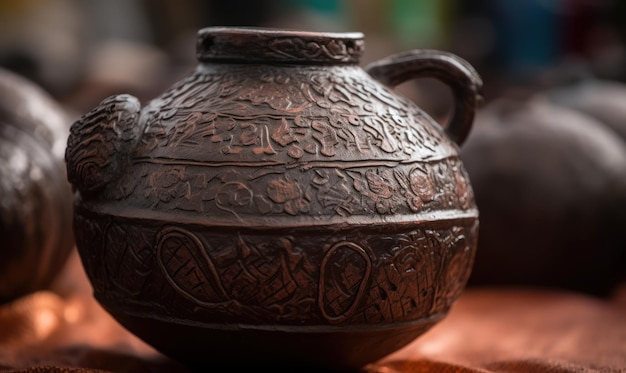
265,45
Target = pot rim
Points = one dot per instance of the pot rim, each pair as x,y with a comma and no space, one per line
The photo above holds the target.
275,45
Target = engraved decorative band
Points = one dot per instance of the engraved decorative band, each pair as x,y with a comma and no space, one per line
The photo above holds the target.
262,45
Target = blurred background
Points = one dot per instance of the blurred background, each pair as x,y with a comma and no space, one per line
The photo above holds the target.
80,49
547,156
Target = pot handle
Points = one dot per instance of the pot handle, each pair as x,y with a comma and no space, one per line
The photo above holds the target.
455,72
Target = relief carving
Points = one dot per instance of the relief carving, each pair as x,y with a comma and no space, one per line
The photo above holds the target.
320,113
100,142
298,157
188,268
298,48
381,279
281,190
344,276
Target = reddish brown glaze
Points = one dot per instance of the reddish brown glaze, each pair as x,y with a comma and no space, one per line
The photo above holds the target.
277,202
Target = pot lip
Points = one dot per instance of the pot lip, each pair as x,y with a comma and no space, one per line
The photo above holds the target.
278,32
272,45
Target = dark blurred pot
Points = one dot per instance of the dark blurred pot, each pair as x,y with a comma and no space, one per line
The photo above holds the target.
604,100
35,197
551,187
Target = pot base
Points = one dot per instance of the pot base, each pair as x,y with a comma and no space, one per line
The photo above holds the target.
279,348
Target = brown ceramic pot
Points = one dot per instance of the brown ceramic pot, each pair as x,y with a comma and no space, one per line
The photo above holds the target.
35,197
279,204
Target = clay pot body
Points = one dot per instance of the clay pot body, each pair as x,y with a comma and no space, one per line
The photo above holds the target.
35,197
550,184
279,205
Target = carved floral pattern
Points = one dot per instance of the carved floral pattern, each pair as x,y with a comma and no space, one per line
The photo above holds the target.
230,142
240,192
325,113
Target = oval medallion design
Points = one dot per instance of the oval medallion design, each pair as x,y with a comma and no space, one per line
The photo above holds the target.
188,268
344,275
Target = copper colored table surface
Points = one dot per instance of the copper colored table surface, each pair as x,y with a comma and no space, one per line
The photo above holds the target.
487,330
